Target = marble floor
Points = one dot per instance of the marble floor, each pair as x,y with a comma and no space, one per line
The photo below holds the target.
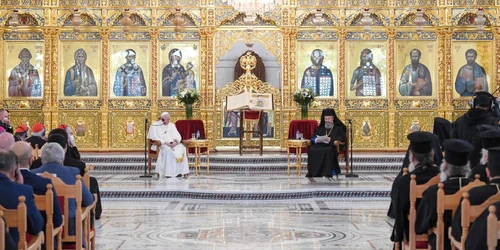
241,208
200,224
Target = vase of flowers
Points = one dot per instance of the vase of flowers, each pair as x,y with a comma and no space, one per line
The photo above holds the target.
304,97
188,97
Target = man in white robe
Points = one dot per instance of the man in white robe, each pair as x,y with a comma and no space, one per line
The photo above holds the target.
172,157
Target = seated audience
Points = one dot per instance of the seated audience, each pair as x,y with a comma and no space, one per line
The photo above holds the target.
72,149
6,141
478,195
465,127
21,133
322,156
476,239
5,120
489,139
56,135
39,184
37,136
11,188
52,159
422,165
454,172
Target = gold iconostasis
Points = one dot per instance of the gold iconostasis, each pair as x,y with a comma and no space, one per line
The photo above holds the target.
105,82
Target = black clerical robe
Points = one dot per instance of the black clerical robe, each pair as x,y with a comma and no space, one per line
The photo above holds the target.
438,158
427,210
322,157
466,126
476,239
36,140
477,195
481,171
400,195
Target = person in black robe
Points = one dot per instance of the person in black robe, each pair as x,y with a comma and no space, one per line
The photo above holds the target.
438,158
489,139
476,239
37,136
454,171
478,195
322,155
466,126
442,128
421,164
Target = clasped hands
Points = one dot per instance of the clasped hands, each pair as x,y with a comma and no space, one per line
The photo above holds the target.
170,144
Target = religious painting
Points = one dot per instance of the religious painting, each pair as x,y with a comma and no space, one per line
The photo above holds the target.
24,69
416,69
179,67
472,67
80,70
366,69
317,68
231,124
130,65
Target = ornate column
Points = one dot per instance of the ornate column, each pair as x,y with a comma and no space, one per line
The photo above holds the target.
289,85
448,96
441,72
342,33
496,33
3,94
104,138
154,71
391,33
207,86
50,108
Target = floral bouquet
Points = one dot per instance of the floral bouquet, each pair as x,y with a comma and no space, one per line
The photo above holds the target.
188,97
304,97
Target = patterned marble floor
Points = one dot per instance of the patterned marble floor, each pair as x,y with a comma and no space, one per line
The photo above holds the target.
203,224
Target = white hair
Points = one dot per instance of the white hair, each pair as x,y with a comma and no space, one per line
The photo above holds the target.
163,114
484,156
38,133
448,170
52,152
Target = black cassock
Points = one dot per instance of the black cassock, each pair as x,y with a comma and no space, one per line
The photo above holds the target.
427,210
481,171
466,126
477,195
476,239
322,157
438,158
400,195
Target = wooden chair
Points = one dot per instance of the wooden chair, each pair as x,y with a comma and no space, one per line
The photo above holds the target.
416,192
2,231
86,177
152,154
46,203
16,218
36,152
449,203
64,193
343,150
469,215
493,233
249,116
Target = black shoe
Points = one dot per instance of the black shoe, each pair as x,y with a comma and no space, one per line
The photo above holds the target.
168,177
179,175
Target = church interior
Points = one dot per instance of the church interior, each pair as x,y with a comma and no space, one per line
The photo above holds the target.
110,69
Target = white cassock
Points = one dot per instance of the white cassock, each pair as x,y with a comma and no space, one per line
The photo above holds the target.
171,161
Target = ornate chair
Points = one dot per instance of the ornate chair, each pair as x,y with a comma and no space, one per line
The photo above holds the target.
35,153
46,203
2,231
16,218
152,154
248,117
343,150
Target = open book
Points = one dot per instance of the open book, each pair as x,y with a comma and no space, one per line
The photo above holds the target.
249,100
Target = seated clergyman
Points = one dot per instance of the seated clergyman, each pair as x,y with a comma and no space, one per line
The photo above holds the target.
322,155
172,158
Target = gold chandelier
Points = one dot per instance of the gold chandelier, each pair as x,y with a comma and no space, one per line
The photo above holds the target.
254,7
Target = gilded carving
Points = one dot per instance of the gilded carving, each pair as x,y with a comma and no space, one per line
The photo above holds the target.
370,129
126,129
410,121
85,125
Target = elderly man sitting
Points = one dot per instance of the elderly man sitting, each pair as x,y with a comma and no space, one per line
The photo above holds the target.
172,157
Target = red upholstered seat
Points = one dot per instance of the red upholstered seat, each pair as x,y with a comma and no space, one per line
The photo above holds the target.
421,244
152,152
251,115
